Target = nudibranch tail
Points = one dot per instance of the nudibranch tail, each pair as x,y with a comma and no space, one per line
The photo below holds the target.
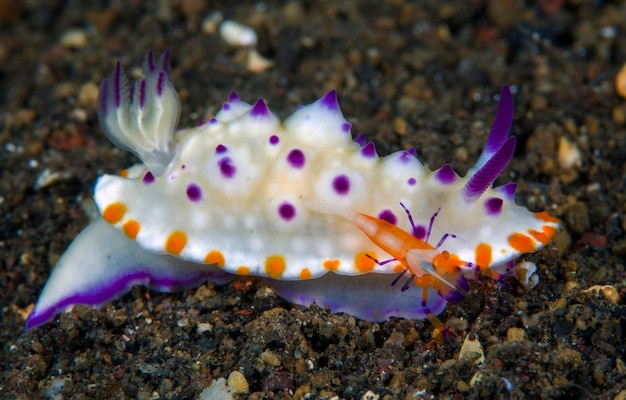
101,265
143,118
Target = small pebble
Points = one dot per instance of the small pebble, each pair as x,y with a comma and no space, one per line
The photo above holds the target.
74,39
236,34
568,154
472,350
515,334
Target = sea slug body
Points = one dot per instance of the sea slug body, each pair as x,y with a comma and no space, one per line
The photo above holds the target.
236,196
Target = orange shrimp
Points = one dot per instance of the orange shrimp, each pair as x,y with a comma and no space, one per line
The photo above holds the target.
428,266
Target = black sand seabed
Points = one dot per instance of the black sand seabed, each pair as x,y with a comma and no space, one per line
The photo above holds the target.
420,74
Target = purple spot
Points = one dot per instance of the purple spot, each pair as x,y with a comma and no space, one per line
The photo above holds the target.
274,139
389,216
220,148
296,159
226,167
346,127
493,206
183,166
330,101
420,232
148,178
160,83
259,109
201,122
412,152
194,193
411,181
341,184
287,211
369,150
213,121
233,96
117,79
360,139
225,107
142,93
445,174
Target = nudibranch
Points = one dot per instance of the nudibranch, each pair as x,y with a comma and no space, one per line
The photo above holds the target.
234,195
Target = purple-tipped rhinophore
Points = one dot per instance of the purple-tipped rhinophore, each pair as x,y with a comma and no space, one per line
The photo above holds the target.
233,97
500,128
487,174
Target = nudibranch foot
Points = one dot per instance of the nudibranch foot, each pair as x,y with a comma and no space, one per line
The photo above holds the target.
143,118
369,297
101,265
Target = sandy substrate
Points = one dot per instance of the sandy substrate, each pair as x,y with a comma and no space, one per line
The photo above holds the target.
421,74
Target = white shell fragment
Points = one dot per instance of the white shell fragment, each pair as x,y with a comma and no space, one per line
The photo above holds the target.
238,35
472,350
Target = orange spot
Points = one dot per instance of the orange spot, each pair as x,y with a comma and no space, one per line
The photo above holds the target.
114,213
275,266
124,173
363,263
331,265
544,216
521,243
483,255
539,236
243,270
176,242
215,257
131,228
305,274
550,231
398,268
